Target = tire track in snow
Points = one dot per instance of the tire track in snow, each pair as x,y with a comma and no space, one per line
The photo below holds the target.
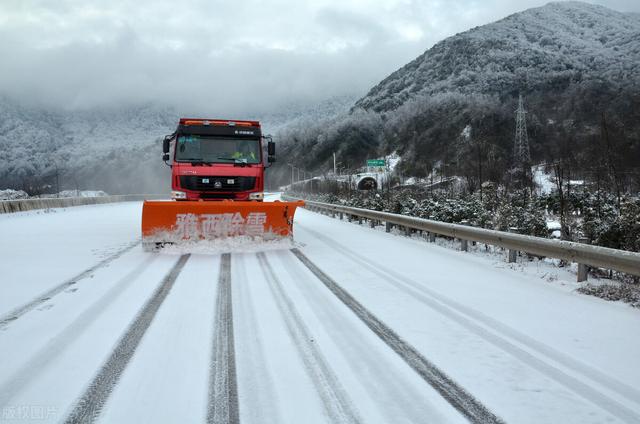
39,362
499,337
334,398
396,398
223,388
262,398
453,393
87,409
21,310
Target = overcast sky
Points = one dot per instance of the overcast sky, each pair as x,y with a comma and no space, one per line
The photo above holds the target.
218,56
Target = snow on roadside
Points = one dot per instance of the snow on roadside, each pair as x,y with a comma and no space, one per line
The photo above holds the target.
44,248
242,244
549,270
9,194
79,193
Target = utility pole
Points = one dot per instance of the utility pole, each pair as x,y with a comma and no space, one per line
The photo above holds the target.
292,168
334,164
55,163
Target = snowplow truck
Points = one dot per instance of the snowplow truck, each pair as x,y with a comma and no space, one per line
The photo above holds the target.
217,186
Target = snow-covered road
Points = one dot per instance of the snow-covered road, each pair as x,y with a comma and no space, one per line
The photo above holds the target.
347,324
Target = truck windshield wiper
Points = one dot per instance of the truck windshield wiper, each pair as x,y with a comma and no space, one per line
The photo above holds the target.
236,161
194,161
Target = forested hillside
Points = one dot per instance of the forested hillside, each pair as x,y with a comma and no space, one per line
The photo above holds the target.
451,110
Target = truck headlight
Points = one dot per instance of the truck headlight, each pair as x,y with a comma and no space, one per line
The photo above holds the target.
178,194
256,196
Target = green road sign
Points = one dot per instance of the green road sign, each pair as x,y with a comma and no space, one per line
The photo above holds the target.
375,162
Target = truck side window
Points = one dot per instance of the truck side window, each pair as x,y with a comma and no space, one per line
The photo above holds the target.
189,147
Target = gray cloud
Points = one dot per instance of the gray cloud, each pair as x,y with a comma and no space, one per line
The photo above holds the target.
218,58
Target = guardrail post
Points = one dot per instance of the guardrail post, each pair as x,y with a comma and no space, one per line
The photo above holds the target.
583,270
359,220
341,216
372,223
432,235
513,254
388,226
464,244
407,231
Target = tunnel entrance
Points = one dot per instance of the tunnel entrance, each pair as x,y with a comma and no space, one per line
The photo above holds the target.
367,183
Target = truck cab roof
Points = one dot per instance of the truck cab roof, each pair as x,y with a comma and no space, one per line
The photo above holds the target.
229,128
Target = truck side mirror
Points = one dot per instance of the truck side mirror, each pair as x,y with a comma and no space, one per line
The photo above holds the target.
271,159
271,148
165,146
165,157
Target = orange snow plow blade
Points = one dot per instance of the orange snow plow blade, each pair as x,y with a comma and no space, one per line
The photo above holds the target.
171,221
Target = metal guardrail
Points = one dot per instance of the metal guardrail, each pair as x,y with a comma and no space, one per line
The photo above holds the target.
21,205
583,254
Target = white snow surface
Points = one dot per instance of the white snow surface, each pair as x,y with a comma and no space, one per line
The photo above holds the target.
80,193
9,194
516,336
392,161
544,181
43,248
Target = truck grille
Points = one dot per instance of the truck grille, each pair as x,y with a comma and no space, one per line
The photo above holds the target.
213,183
217,196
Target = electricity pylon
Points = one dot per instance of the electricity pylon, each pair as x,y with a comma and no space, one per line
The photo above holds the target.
521,152
521,169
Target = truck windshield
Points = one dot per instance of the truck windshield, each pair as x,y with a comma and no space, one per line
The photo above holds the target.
202,148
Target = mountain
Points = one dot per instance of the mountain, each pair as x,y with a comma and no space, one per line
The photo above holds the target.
113,149
451,110
550,47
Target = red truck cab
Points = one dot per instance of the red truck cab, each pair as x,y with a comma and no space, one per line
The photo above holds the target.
215,159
